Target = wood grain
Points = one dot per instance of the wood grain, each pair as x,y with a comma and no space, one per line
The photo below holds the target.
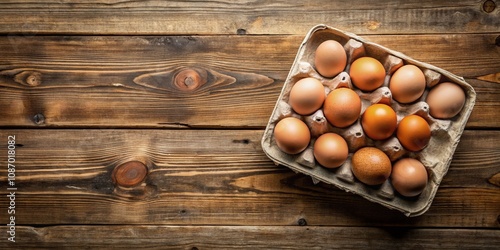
184,88
116,81
220,177
244,17
249,237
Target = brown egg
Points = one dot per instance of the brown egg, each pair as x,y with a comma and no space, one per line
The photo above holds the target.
330,150
307,95
367,73
379,121
342,107
371,166
413,133
292,135
445,100
407,84
409,177
330,58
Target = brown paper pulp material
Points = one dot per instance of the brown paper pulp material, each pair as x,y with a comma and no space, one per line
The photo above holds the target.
436,157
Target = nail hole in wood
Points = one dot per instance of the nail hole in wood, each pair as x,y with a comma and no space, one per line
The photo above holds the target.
244,141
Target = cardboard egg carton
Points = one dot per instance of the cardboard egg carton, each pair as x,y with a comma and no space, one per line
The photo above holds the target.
436,157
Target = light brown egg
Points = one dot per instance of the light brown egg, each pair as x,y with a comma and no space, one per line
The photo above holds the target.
409,177
292,135
342,107
367,73
379,121
407,84
371,166
330,150
413,133
330,58
307,95
445,100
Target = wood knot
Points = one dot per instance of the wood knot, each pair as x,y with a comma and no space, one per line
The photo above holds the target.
372,25
129,174
302,222
190,79
489,6
495,179
29,78
34,79
241,31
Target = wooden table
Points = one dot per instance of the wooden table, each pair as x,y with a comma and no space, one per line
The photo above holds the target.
186,88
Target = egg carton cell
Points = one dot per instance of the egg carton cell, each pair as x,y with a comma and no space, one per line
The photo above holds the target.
436,156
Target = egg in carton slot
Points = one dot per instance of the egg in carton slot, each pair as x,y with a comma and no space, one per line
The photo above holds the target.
435,156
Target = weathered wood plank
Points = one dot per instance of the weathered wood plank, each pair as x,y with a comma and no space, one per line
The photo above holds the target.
220,177
250,237
75,205
467,55
116,81
245,17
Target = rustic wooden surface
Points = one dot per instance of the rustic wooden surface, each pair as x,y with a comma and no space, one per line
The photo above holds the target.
86,86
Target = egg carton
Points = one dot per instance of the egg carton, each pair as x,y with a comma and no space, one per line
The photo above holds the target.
436,157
